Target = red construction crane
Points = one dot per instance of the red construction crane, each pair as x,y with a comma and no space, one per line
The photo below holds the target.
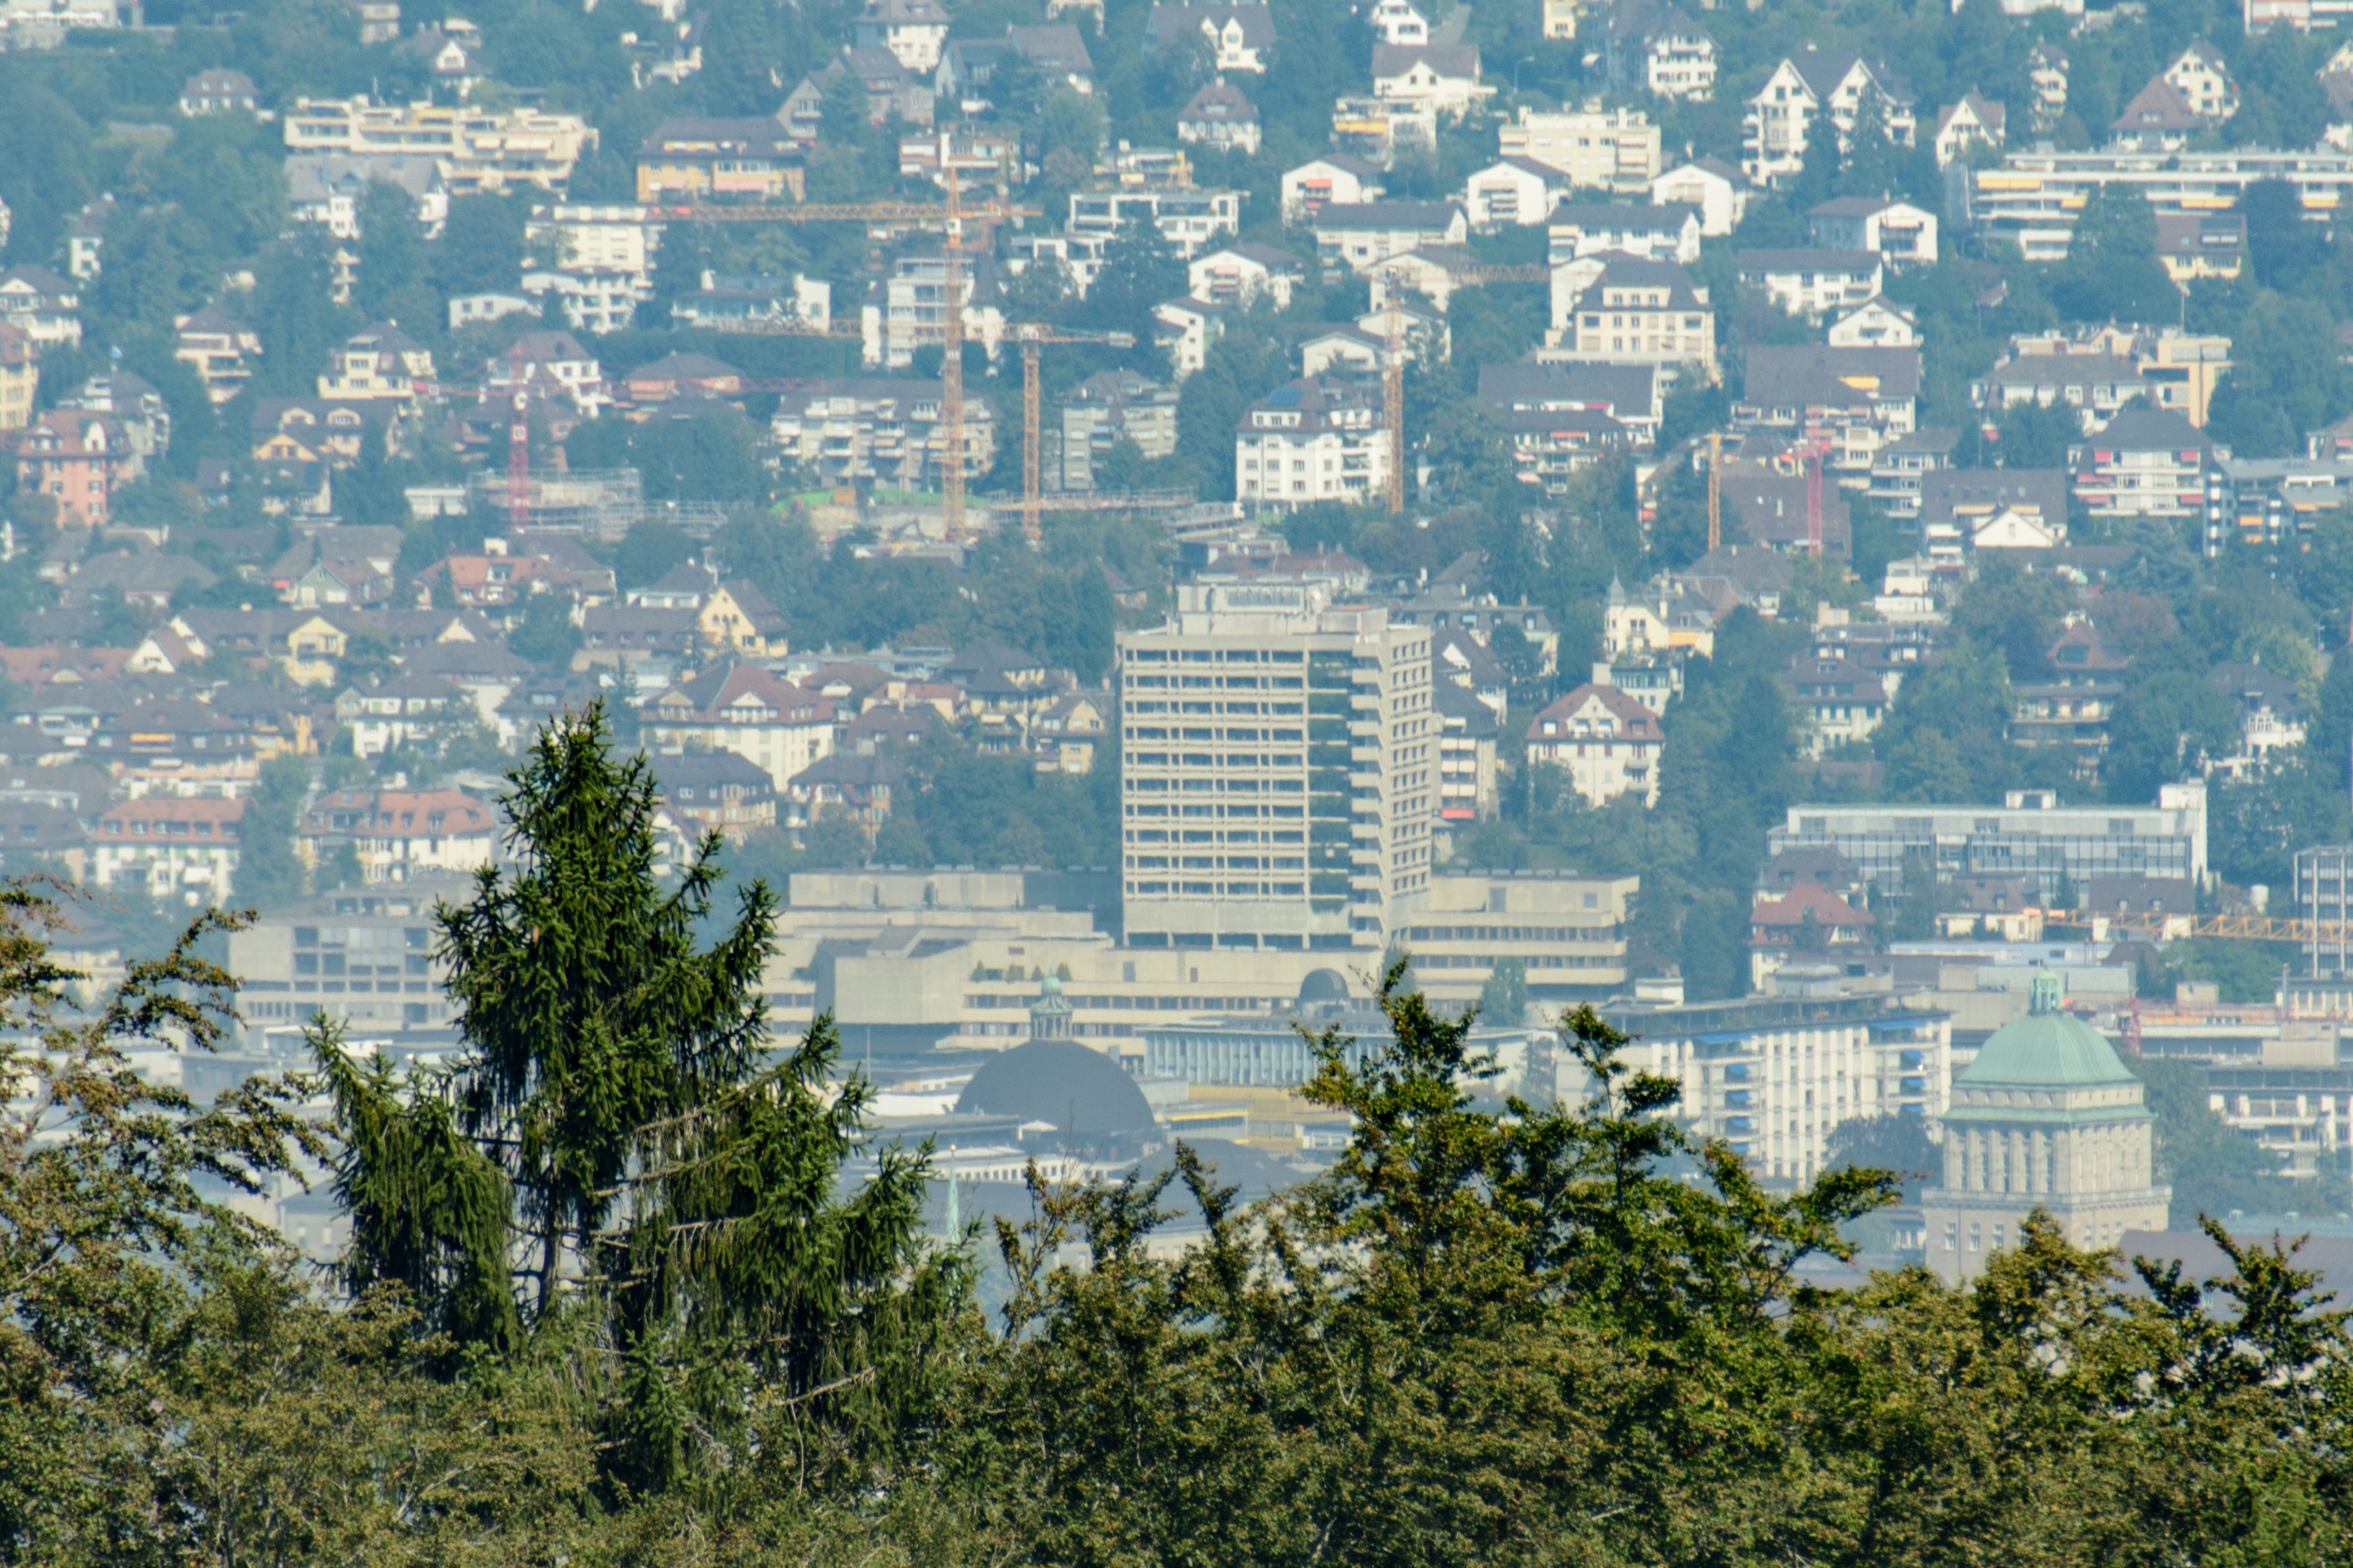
518,446
1031,338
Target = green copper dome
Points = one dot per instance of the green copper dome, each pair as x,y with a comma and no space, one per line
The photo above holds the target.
2048,1048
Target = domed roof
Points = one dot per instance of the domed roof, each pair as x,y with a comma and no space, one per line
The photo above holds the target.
1061,1082
1322,985
2047,1048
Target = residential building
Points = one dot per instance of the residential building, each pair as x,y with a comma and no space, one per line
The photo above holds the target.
1319,836
1607,743
730,302
1108,407
695,160
1838,700
1658,233
2046,73
1362,236
1466,754
1904,234
1190,220
42,305
389,714
79,460
1780,121
2159,118
2199,74
887,432
978,154
1397,22
2324,896
717,792
1219,118
1813,282
1785,510
401,835
218,91
1854,402
1065,734
1656,47
1609,149
380,362
1186,328
2046,1119
1665,618
1336,177
1877,324
1056,50
2033,198
1808,925
914,31
1440,78
20,376
2144,463
1238,37
1377,129
1313,440
1954,503
2198,245
1904,464
1770,1077
1633,395
1241,273
742,709
1514,191
1636,312
176,849
2031,835
1963,128
2098,386
1718,190
218,347
473,149
892,92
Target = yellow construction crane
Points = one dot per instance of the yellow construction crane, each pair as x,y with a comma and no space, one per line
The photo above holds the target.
1393,347
849,212
1031,338
1715,489
2229,928
952,371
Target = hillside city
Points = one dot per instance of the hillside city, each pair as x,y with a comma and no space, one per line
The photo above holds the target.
1822,533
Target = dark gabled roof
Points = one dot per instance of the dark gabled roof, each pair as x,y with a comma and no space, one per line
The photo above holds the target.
2149,430
706,770
1457,61
2160,106
1386,214
1219,102
1171,21
1943,490
1807,259
1813,373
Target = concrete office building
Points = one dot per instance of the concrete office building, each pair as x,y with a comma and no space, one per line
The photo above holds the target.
2030,836
2047,1117
1771,1076
1279,771
364,957
2323,895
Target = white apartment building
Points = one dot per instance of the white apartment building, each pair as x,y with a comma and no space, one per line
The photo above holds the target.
1514,190
1362,237
399,836
477,150
912,30
742,709
174,848
1335,177
1813,282
1313,439
1606,741
877,430
1631,311
1315,833
1772,1076
1904,234
1654,233
1612,149
2033,198
911,312
1190,220
1778,124
1718,190
1442,79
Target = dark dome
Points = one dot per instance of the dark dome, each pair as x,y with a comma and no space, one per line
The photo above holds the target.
1322,985
1062,1082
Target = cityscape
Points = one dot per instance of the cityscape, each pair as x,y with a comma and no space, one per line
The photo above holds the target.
1083,779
